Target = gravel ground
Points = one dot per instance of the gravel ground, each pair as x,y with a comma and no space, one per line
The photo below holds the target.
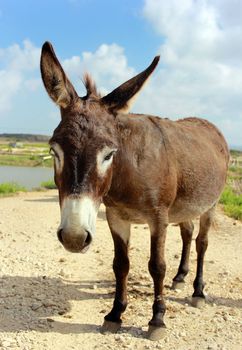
52,299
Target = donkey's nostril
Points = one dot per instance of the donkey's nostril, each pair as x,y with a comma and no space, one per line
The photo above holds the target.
88,238
59,234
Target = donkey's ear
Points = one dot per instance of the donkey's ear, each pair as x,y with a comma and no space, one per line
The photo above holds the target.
54,78
119,100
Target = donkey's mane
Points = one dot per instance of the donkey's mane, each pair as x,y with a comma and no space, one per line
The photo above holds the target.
90,85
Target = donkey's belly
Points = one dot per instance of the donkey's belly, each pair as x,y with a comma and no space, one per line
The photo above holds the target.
132,215
179,212
183,211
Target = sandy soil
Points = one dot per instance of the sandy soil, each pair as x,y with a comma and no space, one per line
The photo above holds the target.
52,299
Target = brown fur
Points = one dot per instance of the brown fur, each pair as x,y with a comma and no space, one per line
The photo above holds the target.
164,171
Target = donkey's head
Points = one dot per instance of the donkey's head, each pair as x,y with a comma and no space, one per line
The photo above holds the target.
84,146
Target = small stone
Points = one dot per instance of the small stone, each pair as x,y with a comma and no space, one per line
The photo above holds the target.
8,343
176,256
159,346
61,312
94,286
36,306
49,303
62,260
62,273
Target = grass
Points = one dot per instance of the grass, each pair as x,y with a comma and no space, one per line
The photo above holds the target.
231,197
24,160
9,188
50,185
232,203
29,154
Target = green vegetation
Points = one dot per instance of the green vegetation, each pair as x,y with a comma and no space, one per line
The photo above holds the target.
25,154
9,188
235,153
50,185
232,195
232,203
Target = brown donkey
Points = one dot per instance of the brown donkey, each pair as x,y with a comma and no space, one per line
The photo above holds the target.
145,169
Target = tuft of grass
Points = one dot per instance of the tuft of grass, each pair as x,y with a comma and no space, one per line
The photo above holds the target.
50,185
232,203
7,188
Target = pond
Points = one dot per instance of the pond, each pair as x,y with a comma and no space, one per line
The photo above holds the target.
25,176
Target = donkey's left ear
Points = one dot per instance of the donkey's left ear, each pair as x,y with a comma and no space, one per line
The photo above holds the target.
58,86
119,100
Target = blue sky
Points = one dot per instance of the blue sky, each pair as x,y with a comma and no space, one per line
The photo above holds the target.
200,42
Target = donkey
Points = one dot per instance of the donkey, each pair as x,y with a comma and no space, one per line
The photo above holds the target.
145,170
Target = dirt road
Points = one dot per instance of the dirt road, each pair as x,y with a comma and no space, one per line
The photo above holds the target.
52,299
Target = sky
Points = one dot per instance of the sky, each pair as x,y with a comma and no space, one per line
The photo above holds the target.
199,41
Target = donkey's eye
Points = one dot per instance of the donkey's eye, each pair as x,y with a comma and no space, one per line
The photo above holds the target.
108,156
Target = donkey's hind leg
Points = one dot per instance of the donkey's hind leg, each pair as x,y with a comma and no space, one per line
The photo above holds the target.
120,230
186,234
198,297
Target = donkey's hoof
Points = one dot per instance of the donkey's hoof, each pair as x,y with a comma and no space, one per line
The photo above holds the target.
110,327
156,333
178,285
198,302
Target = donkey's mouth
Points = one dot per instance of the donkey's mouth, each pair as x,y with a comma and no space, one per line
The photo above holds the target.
77,244
75,249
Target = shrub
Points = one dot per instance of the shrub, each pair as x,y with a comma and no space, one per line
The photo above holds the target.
50,185
232,203
10,188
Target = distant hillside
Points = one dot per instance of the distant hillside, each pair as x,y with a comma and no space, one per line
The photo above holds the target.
24,137
236,148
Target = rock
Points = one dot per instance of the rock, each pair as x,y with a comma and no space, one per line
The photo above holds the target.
117,337
62,260
36,306
61,272
9,343
159,346
49,303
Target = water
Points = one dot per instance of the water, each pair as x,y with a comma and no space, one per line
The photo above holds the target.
25,176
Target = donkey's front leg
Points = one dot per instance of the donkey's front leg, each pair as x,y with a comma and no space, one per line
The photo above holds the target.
157,268
120,230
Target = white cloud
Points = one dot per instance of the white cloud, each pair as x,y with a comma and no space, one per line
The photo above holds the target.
201,66
108,66
9,85
17,66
